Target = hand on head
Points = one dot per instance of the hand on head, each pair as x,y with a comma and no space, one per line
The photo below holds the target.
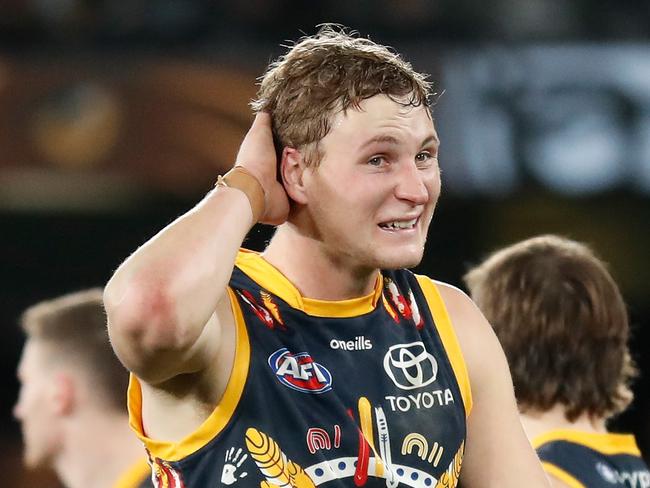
257,155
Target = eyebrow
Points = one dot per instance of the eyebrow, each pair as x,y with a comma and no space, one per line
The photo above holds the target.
379,139
388,139
432,138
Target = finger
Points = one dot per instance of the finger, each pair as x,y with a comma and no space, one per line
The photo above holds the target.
244,457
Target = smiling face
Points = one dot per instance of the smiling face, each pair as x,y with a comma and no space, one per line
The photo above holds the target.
373,194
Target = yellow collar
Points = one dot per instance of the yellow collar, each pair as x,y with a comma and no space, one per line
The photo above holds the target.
605,443
272,280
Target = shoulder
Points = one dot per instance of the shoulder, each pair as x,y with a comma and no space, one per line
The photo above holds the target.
467,319
456,300
478,342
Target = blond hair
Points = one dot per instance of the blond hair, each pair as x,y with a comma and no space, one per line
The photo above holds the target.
327,73
73,329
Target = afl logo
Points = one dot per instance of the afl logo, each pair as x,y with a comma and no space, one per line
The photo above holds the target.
300,372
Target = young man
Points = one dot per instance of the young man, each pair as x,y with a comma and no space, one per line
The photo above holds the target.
564,328
71,401
321,361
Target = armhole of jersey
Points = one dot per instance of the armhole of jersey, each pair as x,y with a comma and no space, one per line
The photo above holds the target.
448,337
220,416
135,475
562,475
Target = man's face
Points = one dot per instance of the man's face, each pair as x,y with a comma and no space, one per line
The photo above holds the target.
373,195
34,409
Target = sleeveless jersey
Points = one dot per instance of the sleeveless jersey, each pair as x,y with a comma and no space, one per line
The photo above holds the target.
593,460
363,392
137,476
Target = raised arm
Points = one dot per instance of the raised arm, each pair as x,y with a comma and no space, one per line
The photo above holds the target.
161,301
497,453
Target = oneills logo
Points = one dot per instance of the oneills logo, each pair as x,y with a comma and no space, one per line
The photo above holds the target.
300,372
360,343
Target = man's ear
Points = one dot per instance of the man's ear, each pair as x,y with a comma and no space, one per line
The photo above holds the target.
292,168
64,394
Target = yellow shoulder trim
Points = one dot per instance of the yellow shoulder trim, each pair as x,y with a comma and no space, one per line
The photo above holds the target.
603,442
562,475
135,475
220,416
272,280
448,337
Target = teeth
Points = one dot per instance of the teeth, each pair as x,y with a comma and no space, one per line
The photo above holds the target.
400,224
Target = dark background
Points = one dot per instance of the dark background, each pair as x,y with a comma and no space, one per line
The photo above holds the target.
115,117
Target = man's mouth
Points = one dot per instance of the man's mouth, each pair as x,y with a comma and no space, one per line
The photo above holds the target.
399,224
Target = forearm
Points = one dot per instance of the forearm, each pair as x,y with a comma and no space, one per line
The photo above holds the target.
163,294
167,303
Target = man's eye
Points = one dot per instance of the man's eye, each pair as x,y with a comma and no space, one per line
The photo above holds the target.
425,159
377,161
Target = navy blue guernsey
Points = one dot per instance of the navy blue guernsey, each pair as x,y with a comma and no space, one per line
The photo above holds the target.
593,460
364,392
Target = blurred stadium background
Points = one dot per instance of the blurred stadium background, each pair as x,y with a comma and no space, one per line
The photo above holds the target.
115,117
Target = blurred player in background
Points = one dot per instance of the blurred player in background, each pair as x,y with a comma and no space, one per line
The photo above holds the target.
71,404
564,328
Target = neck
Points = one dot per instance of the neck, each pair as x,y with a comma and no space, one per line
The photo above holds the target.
536,423
95,457
313,271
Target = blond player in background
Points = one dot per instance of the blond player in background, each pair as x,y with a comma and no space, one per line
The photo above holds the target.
72,394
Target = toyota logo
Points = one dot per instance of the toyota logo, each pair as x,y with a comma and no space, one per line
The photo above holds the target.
410,366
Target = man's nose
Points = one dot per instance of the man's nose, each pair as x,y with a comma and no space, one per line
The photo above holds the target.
410,185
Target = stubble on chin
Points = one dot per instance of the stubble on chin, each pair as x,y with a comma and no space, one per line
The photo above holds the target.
403,261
